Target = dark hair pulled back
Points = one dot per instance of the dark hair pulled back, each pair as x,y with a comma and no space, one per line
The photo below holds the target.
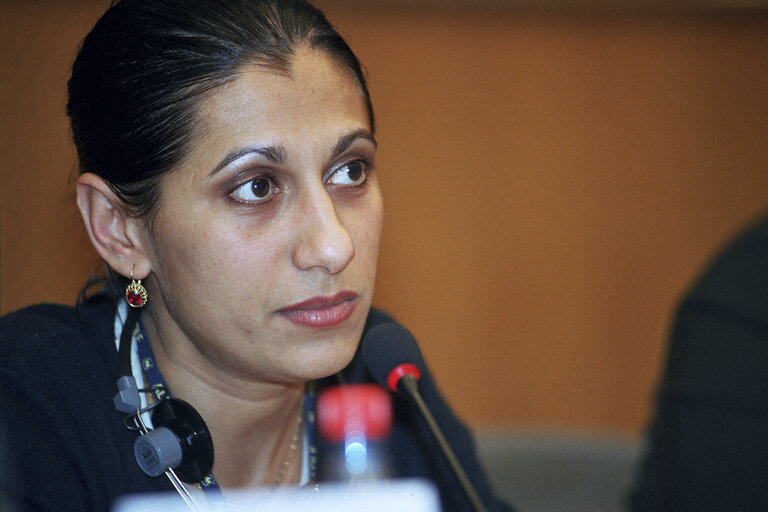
143,69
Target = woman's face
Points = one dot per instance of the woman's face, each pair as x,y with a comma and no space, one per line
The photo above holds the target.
264,247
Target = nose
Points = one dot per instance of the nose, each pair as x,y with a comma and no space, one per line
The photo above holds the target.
323,240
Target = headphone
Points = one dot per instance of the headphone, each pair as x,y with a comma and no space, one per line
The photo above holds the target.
179,443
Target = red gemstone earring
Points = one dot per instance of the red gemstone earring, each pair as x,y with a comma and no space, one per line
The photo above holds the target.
135,294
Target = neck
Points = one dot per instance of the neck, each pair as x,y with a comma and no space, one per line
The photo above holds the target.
255,426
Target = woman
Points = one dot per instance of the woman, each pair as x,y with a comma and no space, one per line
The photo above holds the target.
227,180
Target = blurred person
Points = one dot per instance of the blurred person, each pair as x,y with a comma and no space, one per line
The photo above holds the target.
707,446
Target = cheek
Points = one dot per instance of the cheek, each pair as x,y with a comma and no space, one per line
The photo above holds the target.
205,261
365,222
375,220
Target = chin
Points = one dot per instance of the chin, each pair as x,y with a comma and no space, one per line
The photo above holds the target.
326,361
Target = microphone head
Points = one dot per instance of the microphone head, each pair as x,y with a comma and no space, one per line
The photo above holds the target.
390,352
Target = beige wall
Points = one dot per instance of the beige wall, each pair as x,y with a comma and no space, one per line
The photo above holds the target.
552,183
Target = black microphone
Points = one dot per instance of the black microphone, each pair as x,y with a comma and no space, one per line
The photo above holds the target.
394,360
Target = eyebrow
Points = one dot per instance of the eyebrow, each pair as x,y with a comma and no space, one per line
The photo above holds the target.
346,141
277,154
274,154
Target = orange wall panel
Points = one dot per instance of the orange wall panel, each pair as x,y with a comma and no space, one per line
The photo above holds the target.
552,184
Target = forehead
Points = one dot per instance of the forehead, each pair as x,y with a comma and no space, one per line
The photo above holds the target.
317,93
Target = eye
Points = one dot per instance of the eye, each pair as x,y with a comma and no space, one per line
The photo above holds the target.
255,190
350,174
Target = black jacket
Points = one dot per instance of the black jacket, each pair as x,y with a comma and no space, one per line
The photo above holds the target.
66,448
708,444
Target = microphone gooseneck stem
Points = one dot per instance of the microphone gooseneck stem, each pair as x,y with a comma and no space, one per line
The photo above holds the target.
410,385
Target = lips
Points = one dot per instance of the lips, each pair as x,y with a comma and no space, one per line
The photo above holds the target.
320,312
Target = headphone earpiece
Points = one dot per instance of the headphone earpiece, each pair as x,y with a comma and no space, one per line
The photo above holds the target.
180,440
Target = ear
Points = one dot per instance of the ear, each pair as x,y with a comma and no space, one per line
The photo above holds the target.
116,234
